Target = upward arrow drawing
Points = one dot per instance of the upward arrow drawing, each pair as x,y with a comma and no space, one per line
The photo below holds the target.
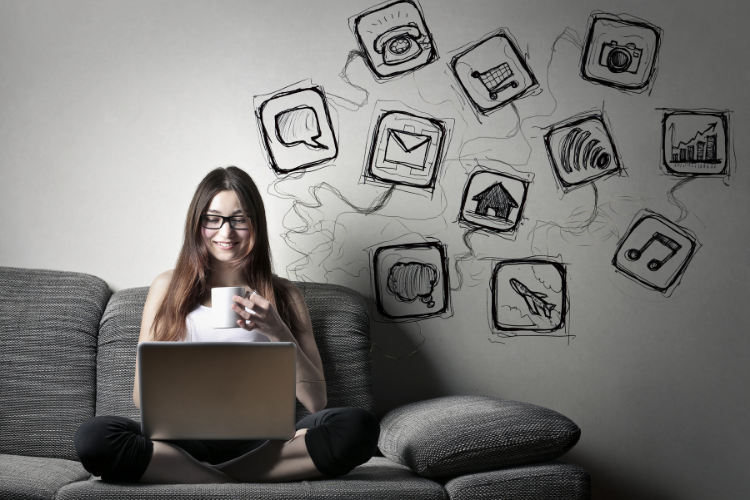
711,128
496,198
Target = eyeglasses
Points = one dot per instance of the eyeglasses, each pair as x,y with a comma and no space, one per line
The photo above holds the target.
210,221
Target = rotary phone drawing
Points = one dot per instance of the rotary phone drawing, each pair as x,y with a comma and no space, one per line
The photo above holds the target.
399,44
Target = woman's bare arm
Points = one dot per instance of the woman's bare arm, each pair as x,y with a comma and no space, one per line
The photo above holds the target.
155,295
311,384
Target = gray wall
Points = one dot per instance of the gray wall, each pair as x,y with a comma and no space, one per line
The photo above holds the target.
113,111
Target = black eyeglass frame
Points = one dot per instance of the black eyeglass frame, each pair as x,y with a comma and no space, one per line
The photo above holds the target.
231,219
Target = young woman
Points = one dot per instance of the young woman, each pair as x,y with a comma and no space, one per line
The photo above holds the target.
226,244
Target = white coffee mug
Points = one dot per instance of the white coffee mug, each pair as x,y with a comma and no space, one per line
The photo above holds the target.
221,306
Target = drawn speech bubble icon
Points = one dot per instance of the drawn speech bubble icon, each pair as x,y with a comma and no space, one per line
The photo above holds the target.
409,281
299,126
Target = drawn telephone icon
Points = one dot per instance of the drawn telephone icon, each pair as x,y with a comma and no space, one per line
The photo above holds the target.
634,254
399,44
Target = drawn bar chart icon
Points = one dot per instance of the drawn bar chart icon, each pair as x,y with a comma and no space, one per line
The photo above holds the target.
655,252
695,143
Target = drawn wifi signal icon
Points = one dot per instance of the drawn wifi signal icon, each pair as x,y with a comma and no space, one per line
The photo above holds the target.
581,150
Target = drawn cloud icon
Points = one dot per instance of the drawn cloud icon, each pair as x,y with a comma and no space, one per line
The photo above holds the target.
410,281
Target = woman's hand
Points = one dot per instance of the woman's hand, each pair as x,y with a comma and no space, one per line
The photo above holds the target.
262,317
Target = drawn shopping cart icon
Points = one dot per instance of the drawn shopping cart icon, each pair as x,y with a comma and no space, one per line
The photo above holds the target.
494,79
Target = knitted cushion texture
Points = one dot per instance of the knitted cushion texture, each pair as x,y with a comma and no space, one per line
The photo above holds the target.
48,329
546,481
455,435
118,343
378,479
340,325
35,478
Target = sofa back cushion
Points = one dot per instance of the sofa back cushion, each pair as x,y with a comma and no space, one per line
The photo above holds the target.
340,324
48,330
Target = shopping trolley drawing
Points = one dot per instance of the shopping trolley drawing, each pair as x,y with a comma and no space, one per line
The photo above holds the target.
494,79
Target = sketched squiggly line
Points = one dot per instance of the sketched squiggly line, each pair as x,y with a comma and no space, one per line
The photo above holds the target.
345,76
542,282
463,257
511,308
373,345
329,234
674,201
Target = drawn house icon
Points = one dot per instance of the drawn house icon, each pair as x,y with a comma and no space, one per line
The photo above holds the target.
496,198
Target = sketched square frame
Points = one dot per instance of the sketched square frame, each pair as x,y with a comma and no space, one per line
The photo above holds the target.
585,53
522,205
355,24
722,116
429,185
503,33
675,279
266,141
570,123
445,288
504,331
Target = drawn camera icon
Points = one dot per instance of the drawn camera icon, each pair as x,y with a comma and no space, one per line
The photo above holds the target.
620,58
394,38
620,53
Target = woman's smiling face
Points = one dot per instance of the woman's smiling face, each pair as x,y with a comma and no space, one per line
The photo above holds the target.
226,244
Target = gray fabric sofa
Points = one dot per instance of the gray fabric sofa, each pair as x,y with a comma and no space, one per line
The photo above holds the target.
67,353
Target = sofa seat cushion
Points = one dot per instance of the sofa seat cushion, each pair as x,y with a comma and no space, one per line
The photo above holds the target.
546,481
49,321
32,478
455,435
377,479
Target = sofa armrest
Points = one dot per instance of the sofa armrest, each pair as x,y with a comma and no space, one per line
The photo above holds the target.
450,436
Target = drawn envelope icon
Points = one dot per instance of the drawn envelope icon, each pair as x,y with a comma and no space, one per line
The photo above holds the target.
407,148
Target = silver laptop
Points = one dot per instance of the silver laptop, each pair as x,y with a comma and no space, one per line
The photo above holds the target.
217,390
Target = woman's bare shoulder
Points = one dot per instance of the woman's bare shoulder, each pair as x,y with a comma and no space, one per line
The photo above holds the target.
284,283
164,278
288,287
293,294
161,282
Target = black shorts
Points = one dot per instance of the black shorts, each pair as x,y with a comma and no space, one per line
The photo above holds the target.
338,439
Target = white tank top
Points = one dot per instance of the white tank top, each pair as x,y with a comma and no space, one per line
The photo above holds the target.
199,329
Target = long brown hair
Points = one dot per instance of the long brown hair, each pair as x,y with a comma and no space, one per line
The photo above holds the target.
190,279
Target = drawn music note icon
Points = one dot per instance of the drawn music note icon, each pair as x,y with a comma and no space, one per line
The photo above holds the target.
634,254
